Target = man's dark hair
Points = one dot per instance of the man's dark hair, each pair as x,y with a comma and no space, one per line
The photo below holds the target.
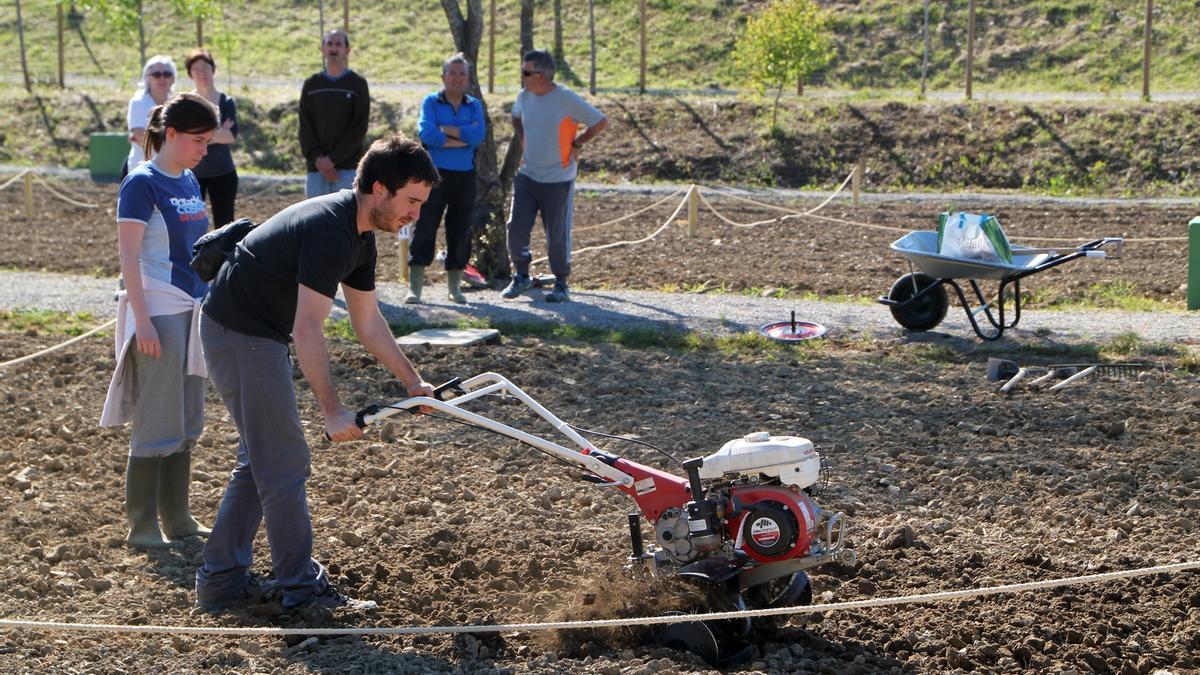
543,60
395,161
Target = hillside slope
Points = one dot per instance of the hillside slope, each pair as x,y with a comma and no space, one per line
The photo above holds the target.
1045,45
1110,149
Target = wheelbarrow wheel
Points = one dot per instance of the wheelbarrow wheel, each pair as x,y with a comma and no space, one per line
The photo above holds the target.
923,313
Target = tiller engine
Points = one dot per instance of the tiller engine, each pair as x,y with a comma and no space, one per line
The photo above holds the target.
742,521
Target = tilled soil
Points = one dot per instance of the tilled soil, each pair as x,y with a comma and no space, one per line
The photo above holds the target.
949,485
799,255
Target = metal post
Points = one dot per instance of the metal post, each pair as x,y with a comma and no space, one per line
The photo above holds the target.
492,48
1146,51
1193,298
29,195
856,181
925,56
970,44
62,82
592,46
642,28
693,199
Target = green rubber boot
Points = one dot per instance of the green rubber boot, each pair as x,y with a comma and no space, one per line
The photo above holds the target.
141,503
454,282
416,281
174,482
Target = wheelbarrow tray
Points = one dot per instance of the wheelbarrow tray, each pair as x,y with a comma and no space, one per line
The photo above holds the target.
920,247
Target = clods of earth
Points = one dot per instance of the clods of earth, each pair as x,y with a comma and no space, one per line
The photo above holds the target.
949,485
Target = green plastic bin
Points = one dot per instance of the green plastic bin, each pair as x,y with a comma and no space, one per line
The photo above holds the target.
107,151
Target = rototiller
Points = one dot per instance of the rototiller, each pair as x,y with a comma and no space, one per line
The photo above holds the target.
743,522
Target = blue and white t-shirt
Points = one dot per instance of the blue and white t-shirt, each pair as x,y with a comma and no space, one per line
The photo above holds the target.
174,215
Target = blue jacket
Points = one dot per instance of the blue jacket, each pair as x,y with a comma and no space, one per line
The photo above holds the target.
436,112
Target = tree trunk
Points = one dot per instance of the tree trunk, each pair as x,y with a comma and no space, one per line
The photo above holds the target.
491,185
526,26
141,36
21,38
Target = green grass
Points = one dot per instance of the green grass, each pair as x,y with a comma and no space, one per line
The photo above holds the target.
46,322
1120,295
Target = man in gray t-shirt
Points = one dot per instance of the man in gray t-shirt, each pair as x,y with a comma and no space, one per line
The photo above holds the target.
546,120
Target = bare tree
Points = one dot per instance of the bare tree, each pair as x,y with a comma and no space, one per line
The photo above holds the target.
493,182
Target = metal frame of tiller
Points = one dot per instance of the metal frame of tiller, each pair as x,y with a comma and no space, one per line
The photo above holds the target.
653,490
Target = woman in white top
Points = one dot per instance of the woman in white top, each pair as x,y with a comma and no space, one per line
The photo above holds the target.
157,85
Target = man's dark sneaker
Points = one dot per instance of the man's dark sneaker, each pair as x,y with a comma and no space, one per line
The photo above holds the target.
255,591
559,294
334,599
519,284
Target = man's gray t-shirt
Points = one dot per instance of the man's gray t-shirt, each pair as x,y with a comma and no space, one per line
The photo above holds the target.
551,122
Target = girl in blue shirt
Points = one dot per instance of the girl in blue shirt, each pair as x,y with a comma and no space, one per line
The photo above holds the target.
159,384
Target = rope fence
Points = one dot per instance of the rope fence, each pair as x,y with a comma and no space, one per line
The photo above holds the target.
28,176
63,345
922,598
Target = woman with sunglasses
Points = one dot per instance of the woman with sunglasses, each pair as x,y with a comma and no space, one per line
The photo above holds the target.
158,384
157,85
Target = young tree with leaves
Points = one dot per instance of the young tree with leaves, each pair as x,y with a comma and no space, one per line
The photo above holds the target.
788,41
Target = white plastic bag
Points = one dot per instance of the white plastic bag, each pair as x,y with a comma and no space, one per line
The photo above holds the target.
971,236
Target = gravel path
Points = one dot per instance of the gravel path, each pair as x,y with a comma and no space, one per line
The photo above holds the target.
710,314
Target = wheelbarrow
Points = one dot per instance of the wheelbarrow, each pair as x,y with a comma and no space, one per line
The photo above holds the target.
919,301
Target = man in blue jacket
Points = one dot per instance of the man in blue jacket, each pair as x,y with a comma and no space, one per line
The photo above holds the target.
451,127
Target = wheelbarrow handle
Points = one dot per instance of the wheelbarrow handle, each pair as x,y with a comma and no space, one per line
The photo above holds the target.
360,417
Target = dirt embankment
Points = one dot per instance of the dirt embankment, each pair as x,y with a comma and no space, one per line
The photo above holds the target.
798,256
1123,149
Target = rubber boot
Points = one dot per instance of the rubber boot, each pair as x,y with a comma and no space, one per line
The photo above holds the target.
174,481
416,280
454,281
141,503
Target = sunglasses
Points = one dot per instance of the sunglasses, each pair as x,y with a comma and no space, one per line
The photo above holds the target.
162,73
529,73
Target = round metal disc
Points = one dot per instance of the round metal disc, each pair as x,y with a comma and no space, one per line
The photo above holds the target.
792,331
690,636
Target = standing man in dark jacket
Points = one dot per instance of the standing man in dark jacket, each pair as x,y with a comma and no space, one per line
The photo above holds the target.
334,106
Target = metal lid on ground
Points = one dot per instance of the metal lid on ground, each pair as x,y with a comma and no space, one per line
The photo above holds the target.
792,331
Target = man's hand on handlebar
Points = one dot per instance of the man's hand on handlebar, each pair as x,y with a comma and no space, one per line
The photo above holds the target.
422,389
342,426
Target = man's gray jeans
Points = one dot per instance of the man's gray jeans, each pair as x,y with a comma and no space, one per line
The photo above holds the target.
254,378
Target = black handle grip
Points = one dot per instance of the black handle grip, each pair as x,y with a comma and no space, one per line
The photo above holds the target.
448,385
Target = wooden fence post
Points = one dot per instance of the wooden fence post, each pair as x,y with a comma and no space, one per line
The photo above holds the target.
970,44
856,178
925,54
693,200
29,195
642,28
1146,51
